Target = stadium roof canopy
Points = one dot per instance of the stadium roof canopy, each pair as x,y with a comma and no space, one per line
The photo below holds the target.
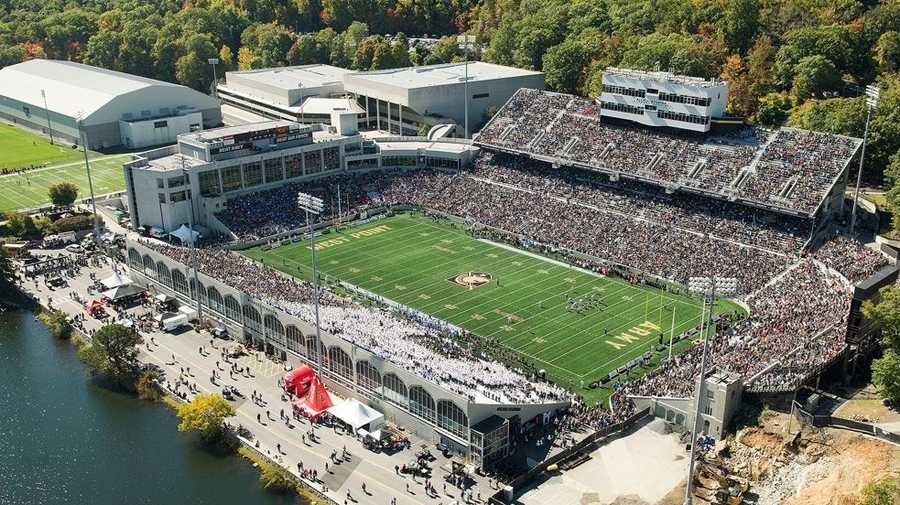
74,89
438,75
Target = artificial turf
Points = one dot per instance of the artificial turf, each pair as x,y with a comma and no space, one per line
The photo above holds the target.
526,305
21,149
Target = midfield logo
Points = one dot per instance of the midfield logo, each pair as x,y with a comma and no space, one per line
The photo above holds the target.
471,280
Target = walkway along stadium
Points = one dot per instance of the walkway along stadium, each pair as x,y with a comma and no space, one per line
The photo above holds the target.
552,175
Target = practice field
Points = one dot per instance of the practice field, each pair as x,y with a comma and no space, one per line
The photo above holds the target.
576,325
29,189
20,149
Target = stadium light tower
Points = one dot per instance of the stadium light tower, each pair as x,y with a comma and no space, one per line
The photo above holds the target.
184,173
708,288
872,96
313,205
79,123
214,62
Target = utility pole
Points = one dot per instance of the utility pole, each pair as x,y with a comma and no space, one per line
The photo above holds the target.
466,41
192,239
47,113
707,287
872,96
87,167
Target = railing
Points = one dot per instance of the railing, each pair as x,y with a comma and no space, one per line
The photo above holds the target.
823,421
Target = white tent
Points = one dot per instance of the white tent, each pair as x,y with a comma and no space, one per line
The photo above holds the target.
185,234
115,280
358,415
122,291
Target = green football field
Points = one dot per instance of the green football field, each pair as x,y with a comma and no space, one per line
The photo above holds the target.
20,148
574,324
29,189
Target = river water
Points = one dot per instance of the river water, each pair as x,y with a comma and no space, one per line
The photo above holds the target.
64,440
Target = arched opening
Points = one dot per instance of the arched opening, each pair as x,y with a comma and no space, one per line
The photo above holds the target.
179,282
232,309
367,375
165,277
395,389
273,328
295,339
340,363
252,318
149,266
452,418
421,403
214,299
134,258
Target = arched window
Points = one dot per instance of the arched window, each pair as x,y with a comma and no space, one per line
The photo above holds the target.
421,403
452,418
165,277
273,328
340,362
395,389
214,299
179,282
232,309
194,291
311,348
295,339
367,375
149,266
252,319
134,258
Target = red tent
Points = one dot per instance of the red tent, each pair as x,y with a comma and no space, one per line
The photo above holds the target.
316,401
297,380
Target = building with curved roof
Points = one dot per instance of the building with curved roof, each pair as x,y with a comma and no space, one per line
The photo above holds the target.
114,108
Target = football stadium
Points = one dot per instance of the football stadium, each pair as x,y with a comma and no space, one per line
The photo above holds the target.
472,288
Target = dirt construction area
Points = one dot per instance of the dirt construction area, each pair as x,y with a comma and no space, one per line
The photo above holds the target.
810,467
761,465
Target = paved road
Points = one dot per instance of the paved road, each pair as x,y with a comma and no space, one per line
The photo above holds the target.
375,469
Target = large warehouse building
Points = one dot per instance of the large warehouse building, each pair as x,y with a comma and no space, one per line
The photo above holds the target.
115,109
401,101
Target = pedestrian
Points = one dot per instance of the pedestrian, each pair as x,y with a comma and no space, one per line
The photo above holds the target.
278,446
258,418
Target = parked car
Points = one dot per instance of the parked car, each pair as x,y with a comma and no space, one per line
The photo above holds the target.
75,248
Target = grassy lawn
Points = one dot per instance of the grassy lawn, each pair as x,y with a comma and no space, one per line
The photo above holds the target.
20,148
29,189
576,325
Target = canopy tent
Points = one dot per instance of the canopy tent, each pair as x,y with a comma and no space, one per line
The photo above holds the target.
358,415
316,400
162,298
115,280
94,305
190,312
185,234
297,381
123,291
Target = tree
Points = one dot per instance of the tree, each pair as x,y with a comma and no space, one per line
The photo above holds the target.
564,65
206,414
772,109
103,50
759,66
113,353
884,491
813,76
740,24
845,116
304,51
887,52
20,225
740,94
886,375
63,193
6,270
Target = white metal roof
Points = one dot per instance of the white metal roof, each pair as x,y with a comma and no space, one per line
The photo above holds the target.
71,88
319,105
288,78
441,74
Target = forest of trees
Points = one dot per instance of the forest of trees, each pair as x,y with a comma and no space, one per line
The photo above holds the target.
803,62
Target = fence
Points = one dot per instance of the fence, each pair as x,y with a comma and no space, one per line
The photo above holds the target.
828,421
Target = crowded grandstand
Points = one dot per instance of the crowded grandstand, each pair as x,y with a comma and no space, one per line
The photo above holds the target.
634,202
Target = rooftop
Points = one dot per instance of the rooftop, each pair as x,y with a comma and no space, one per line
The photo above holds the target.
663,76
288,78
71,88
442,74
216,134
